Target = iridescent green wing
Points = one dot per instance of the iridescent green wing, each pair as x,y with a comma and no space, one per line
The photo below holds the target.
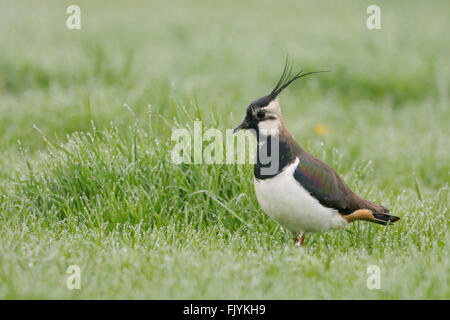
324,184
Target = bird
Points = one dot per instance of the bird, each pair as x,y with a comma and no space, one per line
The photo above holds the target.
296,189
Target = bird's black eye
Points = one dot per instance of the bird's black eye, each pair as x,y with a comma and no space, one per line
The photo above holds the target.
260,114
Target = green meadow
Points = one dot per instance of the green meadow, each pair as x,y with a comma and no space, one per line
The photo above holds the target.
86,176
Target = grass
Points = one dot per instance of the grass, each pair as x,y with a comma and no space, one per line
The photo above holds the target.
93,185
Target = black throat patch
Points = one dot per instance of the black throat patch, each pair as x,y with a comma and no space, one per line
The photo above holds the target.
273,155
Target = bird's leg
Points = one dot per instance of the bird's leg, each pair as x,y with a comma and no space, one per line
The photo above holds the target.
294,235
303,239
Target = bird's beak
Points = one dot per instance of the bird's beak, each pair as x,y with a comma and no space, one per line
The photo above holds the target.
243,125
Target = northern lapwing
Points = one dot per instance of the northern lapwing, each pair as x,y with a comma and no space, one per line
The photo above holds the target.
296,189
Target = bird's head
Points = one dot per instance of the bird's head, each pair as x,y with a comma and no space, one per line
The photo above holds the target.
265,112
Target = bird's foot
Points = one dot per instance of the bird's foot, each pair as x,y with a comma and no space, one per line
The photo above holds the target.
295,238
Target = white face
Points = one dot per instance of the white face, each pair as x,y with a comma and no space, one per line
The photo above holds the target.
272,118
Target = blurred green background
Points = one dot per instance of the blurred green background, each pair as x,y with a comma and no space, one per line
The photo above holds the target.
225,55
380,117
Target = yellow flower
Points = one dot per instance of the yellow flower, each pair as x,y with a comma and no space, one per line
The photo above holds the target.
321,130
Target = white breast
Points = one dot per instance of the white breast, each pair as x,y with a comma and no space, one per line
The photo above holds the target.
289,204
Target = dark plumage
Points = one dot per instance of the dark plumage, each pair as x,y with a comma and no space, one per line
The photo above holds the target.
324,184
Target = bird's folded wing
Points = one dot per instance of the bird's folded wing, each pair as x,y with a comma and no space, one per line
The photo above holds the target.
324,184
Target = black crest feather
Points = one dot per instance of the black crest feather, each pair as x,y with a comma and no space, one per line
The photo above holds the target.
287,77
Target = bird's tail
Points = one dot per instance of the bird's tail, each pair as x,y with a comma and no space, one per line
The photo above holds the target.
384,219
380,216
